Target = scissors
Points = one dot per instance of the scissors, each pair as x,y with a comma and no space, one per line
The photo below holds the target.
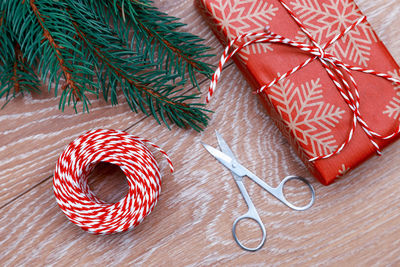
228,159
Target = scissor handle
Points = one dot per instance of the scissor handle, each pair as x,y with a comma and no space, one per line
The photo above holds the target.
252,215
280,195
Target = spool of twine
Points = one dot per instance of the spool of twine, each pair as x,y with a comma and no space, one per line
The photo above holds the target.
131,154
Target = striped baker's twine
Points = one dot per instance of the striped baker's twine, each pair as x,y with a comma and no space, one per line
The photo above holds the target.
131,154
328,60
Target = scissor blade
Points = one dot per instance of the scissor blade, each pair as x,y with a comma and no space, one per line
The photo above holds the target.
224,146
227,150
220,156
226,160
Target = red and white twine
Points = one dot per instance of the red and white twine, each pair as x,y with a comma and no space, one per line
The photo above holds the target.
131,154
327,60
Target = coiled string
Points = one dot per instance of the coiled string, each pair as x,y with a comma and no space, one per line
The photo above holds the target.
131,154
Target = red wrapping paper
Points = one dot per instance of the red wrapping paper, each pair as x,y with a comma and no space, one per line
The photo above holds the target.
306,106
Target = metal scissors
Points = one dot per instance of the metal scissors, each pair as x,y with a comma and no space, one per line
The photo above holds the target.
228,159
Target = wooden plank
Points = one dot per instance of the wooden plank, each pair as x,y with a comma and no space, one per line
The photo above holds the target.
33,132
192,221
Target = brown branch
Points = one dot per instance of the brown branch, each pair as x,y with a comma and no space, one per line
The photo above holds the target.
57,49
15,77
177,51
2,18
121,73
16,67
19,65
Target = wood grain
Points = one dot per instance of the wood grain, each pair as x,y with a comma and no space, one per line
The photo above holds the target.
355,221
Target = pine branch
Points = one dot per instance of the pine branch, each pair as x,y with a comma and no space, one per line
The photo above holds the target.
184,49
138,91
16,76
74,48
73,65
178,52
57,49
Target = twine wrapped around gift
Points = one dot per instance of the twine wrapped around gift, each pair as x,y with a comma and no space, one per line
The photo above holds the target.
333,66
130,153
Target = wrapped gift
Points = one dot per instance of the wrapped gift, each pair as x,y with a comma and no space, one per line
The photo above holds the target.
332,131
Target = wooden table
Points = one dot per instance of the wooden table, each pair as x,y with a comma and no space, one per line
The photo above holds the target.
355,221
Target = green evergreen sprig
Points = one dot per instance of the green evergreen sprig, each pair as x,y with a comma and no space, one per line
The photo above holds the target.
81,47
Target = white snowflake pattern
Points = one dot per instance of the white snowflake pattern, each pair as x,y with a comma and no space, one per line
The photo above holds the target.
325,20
393,108
342,171
301,37
236,17
309,118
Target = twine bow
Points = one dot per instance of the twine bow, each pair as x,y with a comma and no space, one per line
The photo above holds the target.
333,66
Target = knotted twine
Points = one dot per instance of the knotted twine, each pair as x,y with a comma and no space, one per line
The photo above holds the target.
131,154
327,60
